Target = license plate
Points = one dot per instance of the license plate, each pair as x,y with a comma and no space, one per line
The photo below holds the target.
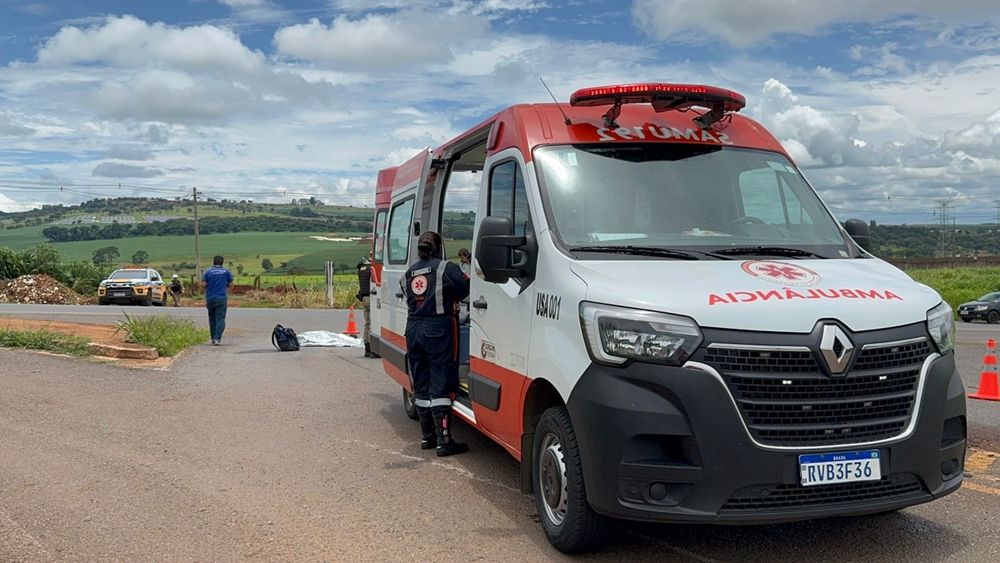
846,467
121,293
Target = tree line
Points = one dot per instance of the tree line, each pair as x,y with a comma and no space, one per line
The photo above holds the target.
207,226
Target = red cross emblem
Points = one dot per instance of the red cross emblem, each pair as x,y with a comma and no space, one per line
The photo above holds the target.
418,285
780,272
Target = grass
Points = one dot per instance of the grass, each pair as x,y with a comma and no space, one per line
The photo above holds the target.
959,285
45,340
168,335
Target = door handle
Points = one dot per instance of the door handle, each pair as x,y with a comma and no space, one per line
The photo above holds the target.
479,304
399,295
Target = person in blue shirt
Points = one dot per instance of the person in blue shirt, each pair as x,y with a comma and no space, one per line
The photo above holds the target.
218,281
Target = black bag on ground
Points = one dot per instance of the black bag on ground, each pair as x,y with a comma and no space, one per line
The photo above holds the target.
283,338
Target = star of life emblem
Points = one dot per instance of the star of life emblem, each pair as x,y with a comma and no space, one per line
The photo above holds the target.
781,273
418,285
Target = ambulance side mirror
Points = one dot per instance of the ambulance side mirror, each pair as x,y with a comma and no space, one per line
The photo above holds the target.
859,231
494,247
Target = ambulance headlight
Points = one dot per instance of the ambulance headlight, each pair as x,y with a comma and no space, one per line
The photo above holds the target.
616,335
941,326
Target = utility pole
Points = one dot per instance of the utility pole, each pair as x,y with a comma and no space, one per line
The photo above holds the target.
197,243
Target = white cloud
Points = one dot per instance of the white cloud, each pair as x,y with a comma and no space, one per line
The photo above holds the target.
131,42
117,170
12,126
244,3
12,206
379,40
128,152
746,22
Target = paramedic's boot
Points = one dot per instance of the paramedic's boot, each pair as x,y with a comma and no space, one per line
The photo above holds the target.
445,445
368,350
428,437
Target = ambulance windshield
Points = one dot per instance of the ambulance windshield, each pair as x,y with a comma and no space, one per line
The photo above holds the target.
680,196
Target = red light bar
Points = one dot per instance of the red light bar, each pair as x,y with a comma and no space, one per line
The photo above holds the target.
663,97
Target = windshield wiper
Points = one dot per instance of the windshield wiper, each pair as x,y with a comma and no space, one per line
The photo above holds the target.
647,251
767,251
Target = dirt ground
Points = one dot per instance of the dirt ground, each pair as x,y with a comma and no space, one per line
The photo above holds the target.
94,332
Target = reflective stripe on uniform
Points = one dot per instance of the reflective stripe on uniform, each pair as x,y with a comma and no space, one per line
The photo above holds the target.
423,403
439,290
445,402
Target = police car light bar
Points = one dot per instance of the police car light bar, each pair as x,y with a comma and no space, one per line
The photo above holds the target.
662,97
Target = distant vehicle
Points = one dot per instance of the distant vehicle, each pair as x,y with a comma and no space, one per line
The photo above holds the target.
986,308
143,286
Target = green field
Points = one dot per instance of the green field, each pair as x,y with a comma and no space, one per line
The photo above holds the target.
959,285
248,249
23,238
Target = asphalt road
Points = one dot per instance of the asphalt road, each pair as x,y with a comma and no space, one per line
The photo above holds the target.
240,452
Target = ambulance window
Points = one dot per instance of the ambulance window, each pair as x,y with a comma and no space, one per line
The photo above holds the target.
509,198
767,195
399,232
380,235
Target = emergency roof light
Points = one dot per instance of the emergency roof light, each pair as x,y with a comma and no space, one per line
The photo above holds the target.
662,97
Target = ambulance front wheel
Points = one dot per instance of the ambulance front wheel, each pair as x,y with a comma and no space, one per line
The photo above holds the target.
570,524
409,406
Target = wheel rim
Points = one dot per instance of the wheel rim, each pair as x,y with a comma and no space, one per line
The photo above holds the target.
408,400
994,317
552,479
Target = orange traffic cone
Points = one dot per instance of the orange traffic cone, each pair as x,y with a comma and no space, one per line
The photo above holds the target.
352,327
988,388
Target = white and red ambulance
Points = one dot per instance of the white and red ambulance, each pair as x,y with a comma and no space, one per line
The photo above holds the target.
668,324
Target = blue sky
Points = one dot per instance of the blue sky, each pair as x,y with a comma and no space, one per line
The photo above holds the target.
886,106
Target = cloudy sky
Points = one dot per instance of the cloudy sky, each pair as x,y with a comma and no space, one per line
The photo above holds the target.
888,106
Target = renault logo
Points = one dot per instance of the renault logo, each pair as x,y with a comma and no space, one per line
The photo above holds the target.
837,349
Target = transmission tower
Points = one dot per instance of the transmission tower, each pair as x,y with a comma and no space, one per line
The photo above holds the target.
944,214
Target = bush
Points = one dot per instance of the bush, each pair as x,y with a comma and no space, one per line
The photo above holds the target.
168,335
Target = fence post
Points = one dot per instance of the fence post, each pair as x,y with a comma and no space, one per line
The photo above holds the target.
329,282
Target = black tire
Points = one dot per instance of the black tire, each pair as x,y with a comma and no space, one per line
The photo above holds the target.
408,405
993,317
569,522
103,302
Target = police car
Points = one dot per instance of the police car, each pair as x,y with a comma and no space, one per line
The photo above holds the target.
669,325
142,286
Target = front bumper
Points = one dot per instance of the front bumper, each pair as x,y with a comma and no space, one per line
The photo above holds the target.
970,315
668,444
124,295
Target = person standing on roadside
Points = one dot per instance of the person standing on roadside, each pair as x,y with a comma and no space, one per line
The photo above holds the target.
433,287
364,295
217,281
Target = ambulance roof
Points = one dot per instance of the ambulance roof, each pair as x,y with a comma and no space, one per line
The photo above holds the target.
660,113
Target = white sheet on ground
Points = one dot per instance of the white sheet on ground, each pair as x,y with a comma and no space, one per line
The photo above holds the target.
326,338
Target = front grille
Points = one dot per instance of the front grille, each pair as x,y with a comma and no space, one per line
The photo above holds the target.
779,498
889,357
785,399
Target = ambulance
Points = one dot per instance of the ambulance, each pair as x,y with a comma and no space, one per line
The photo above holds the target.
667,324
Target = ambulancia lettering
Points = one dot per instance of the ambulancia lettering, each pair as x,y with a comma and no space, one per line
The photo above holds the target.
655,132
790,294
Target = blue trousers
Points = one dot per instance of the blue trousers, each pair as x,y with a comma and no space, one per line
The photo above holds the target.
216,316
430,349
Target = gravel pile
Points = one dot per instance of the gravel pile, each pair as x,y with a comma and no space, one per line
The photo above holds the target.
38,289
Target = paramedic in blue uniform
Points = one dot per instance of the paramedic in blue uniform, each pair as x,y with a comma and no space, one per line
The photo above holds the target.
433,287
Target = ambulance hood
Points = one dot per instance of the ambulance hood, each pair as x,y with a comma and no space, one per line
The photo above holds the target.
763,295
